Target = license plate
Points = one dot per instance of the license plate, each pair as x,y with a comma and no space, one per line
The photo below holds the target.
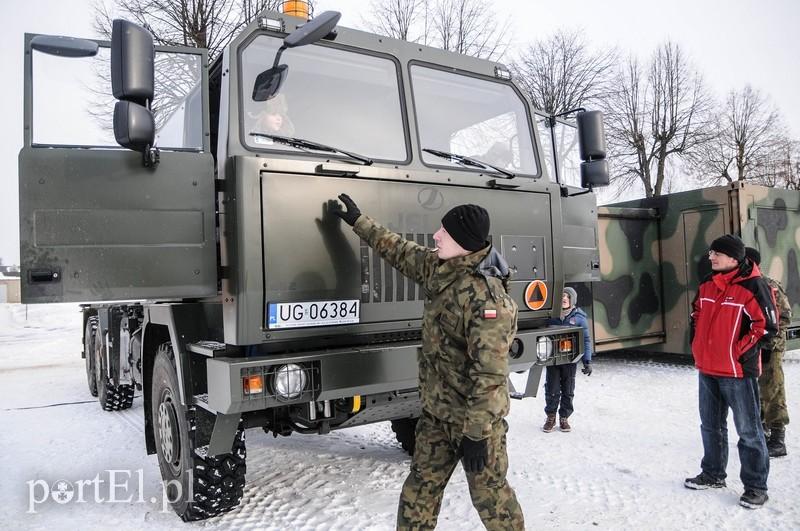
315,313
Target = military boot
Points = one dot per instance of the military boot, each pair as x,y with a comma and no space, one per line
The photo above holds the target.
775,445
550,423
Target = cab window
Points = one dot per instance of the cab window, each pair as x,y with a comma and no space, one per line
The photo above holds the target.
474,117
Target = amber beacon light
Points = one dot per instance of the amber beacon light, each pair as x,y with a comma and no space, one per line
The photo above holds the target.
295,8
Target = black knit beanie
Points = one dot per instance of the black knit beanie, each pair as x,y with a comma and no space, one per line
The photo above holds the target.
753,255
730,245
468,225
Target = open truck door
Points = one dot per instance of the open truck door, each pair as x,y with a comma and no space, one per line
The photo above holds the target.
96,223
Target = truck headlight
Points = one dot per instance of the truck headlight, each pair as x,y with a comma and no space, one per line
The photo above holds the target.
290,381
544,348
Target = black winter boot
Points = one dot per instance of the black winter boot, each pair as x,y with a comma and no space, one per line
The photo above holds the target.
775,445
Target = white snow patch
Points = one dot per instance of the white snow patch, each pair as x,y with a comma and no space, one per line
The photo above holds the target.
635,438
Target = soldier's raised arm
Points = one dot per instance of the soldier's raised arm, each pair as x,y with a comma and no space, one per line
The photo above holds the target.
410,258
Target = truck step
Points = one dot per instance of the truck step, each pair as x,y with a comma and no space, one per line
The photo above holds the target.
211,349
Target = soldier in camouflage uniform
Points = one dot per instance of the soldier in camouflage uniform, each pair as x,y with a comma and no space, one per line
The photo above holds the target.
468,324
774,413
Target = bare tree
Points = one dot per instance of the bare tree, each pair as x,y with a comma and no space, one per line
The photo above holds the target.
395,18
780,168
656,116
209,24
561,73
749,131
469,27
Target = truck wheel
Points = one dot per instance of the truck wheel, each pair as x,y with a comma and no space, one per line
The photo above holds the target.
88,351
112,397
404,431
198,486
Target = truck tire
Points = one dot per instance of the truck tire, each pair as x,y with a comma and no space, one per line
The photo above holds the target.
405,433
216,484
88,351
112,397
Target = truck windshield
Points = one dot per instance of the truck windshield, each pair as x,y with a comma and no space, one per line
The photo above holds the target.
478,118
335,97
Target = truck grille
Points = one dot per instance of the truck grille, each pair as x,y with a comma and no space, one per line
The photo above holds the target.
380,282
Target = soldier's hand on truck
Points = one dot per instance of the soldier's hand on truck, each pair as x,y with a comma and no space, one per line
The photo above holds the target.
587,368
474,455
350,216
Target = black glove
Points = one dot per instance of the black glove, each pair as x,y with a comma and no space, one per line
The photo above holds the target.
475,454
351,215
766,355
587,368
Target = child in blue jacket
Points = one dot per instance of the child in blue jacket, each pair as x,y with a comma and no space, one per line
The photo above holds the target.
559,385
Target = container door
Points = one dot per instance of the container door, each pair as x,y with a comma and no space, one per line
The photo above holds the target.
95,223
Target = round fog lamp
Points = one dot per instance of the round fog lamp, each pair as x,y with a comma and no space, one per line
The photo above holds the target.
544,348
290,381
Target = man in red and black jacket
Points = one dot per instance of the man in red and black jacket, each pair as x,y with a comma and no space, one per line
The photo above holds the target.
732,313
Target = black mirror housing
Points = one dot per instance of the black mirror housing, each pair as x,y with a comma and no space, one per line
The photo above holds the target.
134,126
591,135
269,82
64,46
132,63
317,28
594,173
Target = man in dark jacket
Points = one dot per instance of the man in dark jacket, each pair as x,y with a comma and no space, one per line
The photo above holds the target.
468,323
774,414
732,313
559,384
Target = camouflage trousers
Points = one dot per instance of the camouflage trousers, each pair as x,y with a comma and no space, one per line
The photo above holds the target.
435,457
773,392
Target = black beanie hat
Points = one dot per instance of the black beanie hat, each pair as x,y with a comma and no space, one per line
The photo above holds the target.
730,245
753,255
468,225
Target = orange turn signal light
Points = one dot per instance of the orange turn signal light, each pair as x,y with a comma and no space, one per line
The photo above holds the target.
253,385
565,345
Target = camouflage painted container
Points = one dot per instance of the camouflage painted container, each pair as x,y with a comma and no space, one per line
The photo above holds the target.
653,254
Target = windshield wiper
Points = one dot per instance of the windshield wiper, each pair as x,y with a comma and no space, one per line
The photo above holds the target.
301,143
469,161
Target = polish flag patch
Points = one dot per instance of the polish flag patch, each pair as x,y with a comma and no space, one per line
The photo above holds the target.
490,314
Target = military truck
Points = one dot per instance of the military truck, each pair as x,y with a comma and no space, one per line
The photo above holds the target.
215,277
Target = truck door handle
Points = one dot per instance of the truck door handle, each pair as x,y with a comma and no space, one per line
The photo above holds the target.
493,183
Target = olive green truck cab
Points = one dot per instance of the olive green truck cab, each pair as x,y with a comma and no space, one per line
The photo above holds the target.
213,273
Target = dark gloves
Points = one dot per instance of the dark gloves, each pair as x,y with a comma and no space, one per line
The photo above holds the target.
352,213
766,355
474,455
587,368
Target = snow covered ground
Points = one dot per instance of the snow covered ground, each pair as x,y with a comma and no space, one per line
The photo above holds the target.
635,437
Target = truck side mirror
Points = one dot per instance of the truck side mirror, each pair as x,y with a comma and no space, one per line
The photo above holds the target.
313,30
132,62
64,46
132,82
134,127
592,148
268,82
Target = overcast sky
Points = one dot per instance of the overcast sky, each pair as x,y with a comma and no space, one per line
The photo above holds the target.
731,42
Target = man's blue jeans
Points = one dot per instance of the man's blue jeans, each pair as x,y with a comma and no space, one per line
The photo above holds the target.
717,394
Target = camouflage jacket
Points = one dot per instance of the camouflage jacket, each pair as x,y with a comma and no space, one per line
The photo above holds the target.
468,324
778,341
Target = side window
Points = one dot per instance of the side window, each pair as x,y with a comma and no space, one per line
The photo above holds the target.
72,103
562,149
